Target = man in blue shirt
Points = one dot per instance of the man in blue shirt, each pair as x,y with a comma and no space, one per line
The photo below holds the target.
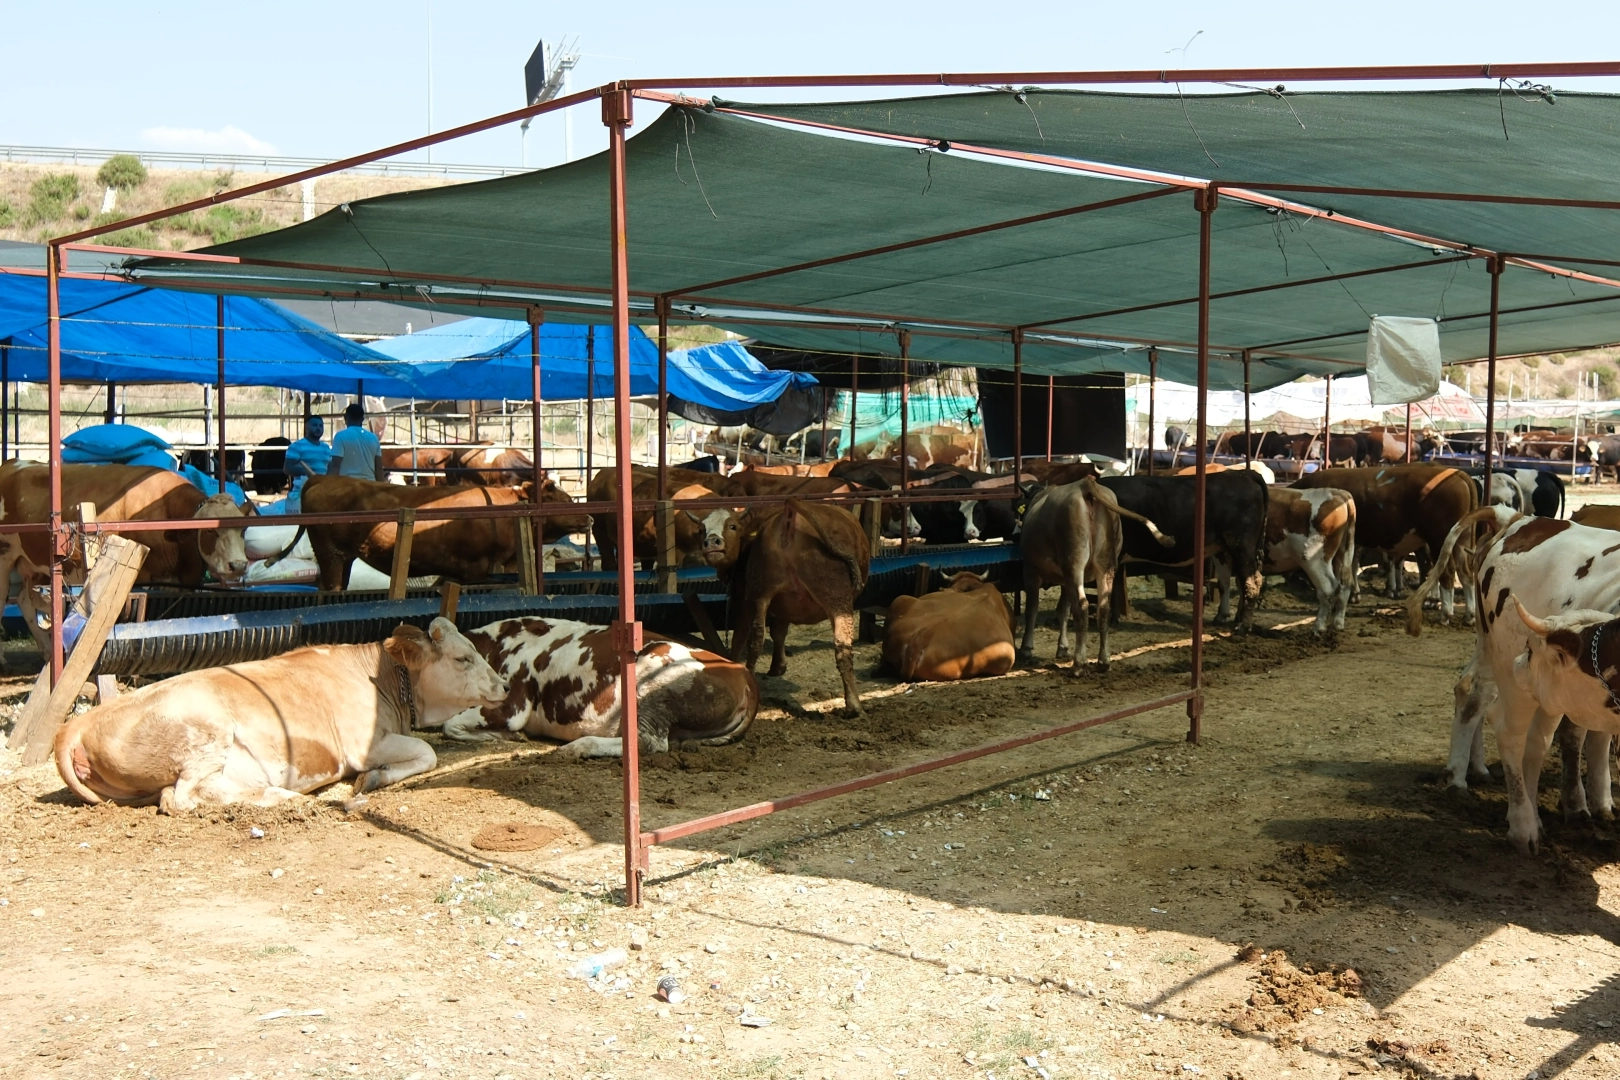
356,452
307,457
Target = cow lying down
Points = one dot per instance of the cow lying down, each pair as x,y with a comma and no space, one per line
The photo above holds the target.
564,679
266,731
962,631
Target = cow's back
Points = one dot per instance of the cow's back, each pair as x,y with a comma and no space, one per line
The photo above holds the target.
1394,502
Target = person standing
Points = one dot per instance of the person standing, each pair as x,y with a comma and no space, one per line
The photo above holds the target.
356,452
307,457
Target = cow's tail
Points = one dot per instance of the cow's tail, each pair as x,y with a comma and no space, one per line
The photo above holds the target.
856,578
284,552
1443,562
1105,498
71,762
1560,494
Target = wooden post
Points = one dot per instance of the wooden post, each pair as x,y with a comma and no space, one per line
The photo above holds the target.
872,518
402,553
92,548
528,558
668,557
449,598
109,585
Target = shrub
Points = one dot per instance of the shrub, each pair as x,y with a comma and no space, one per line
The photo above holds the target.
1531,362
49,196
140,237
122,171
1556,359
226,223
81,211
7,214
1606,376
108,218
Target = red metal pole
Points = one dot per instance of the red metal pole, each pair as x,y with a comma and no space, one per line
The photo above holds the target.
1327,423
1051,386
219,391
662,304
1153,396
1248,437
617,115
1408,458
905,420
1018,405
59,537
854,396
1494,266
536,319
1205,201
590,432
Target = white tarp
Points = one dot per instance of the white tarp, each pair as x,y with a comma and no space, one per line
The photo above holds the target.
1403,359
1352,403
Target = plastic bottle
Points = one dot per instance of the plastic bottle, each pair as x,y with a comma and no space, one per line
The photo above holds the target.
592,966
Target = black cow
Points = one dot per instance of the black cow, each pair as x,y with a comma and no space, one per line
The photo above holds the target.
709,464
970,519
269,475
1234,529
1543,491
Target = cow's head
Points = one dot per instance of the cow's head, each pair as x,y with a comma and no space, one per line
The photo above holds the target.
964,581
447,673
893,515
970,511
223,550
1558,669
720,536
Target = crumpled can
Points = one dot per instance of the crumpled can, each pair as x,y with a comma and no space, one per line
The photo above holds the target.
669,989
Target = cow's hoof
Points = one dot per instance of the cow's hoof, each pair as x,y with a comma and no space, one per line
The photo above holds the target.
776,672
1606,816
1025,659
855,713
1064,654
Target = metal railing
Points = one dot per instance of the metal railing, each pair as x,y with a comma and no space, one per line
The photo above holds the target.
67,155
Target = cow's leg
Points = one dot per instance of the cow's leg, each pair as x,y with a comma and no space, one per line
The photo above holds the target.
465,727
1032,601
1064,611
779,629
391,759
1599,794
1253,580
1571,795
1395,568
1105,593
1327,593
590,746
843,628
1523,733
754,633
1222,579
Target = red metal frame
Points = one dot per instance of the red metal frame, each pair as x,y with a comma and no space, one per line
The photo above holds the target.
617,105
219,389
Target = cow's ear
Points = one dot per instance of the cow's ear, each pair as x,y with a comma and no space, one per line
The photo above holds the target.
442,628
408,646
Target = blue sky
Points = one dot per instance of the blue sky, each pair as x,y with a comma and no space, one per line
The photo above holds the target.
327,79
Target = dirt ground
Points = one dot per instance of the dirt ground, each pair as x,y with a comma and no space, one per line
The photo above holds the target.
1297,896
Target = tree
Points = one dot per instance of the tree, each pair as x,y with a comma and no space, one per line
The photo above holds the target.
122,171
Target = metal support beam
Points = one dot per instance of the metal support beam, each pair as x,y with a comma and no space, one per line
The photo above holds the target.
905,431
1205,201
662,305
111,415
1248,437
60,539
1018,405
1493,266
617,115
219,383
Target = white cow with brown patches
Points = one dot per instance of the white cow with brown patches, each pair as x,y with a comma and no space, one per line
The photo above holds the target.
267,731
1314,531
1546,568
564,684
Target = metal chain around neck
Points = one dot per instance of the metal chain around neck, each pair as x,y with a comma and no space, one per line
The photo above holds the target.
1597,672
402,679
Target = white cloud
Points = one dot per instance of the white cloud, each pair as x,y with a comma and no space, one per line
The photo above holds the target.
226,140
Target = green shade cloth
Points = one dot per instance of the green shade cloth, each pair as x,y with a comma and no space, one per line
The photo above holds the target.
713,196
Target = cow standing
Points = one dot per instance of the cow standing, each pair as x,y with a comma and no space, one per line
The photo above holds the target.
1234,529
563,680
491,466
1072,533
270,730
706,537
1315,532
802,563
963,631
465,550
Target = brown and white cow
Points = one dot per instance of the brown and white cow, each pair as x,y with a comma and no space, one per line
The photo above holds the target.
267,731
1551,567
704,537
462,549
1315,532
1403,509
802,563
564,684
428,463
121,493
960,632
491,466
1072,533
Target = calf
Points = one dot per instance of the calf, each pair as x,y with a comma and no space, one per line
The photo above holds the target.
962,631
1071,533
564,684
267,731
1315,532
1234,529
801,563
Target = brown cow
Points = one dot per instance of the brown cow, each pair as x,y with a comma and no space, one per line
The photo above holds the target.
759,481
1401,509
1314,531
814,468
564,680
1056,474
962,631
707,537
271,730
1598,516
465,550
802,563
431,462
491,466
121,493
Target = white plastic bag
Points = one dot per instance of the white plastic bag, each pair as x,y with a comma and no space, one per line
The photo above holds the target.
1403,359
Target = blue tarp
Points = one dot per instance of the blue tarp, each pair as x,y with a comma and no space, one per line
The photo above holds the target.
113,331
490,358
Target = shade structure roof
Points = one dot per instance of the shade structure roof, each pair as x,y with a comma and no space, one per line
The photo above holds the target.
491,358
118,332
912,216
